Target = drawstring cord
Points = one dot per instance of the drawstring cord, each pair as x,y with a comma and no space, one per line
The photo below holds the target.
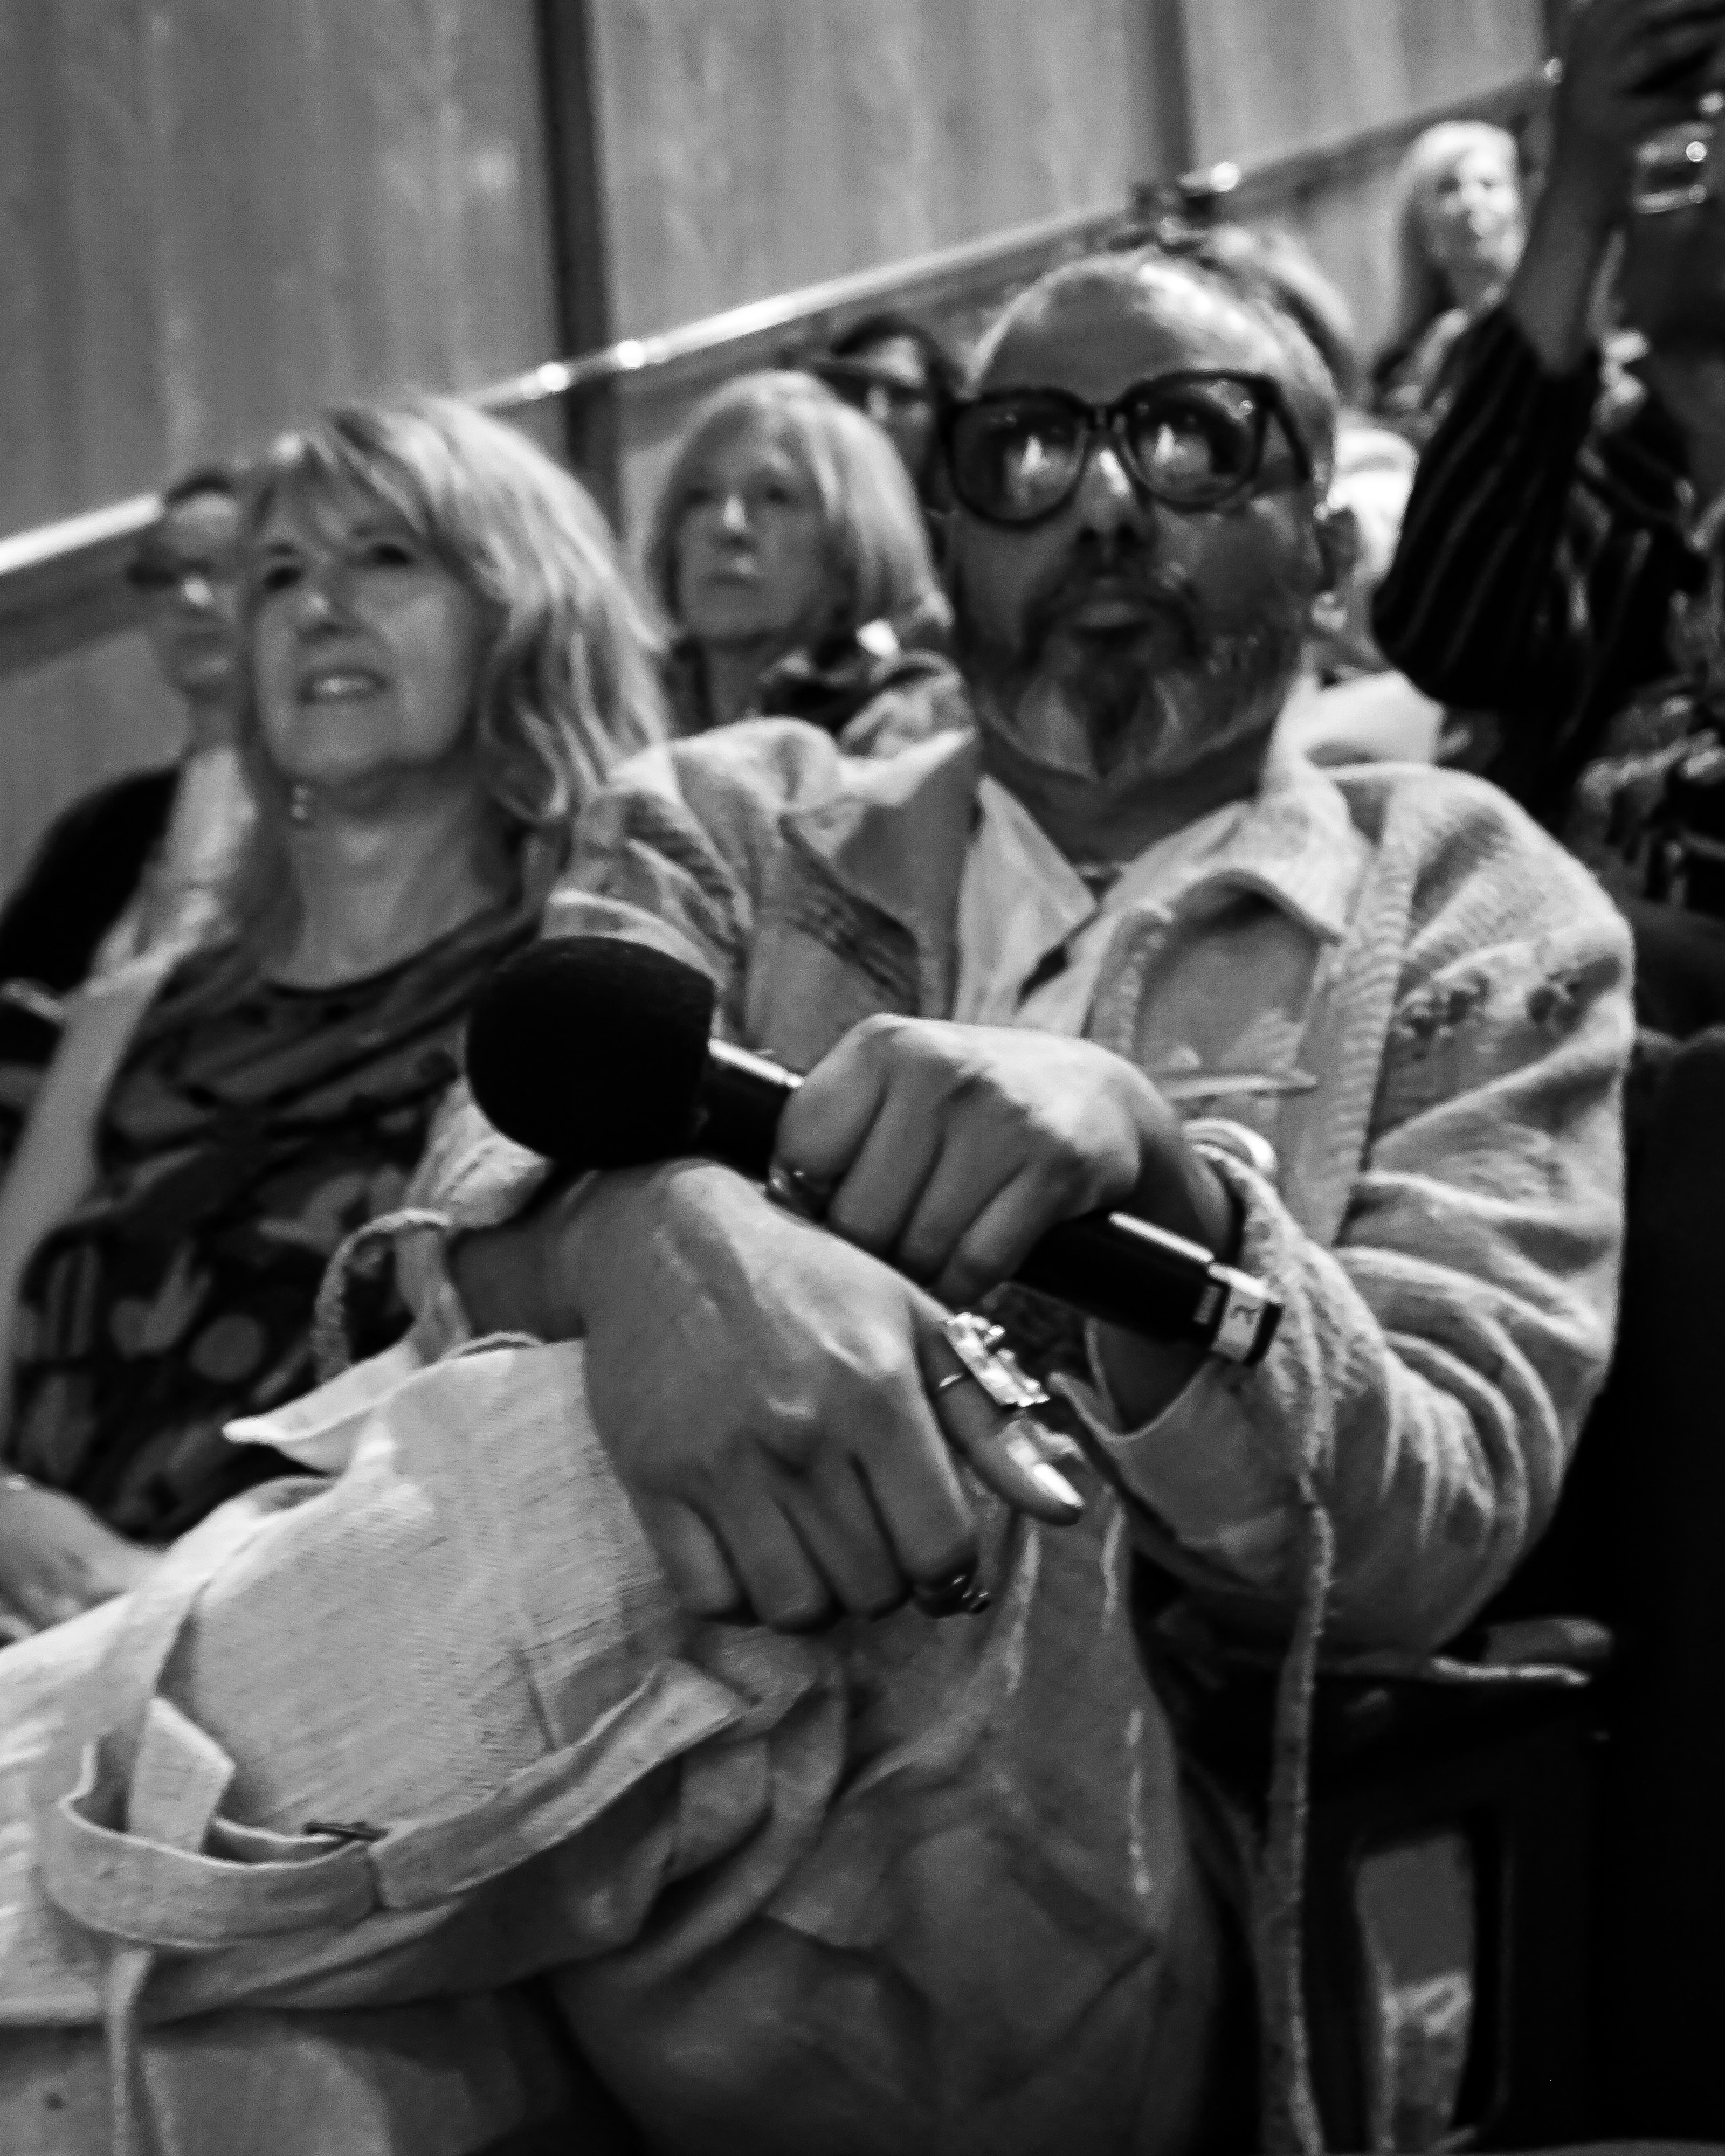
132,2130
1288,2124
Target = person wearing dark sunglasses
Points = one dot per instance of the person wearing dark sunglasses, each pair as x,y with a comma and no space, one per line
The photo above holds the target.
115,870
1360,1032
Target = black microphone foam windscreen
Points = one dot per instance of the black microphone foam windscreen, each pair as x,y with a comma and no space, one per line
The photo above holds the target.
591,1050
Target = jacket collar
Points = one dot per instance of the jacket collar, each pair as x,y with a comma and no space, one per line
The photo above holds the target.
1297,845
896,835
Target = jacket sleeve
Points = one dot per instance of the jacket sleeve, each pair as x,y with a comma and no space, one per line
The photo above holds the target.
665,854
1487,605
1435,1361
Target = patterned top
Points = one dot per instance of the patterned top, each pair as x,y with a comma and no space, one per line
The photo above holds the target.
244,1139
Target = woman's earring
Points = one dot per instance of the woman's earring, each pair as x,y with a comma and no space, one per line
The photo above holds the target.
300,804
1329,613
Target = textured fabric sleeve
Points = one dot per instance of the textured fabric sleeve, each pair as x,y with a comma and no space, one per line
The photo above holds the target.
1485,604
668,855
1434,1365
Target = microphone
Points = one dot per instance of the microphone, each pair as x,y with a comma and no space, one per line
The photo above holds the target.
596,1053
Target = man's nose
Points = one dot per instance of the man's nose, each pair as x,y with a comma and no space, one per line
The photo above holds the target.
1108,500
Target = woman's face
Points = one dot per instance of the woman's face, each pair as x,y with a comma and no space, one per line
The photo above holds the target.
751,552
365,646
1471,215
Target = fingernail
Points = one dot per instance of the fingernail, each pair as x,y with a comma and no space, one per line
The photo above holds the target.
1050,1481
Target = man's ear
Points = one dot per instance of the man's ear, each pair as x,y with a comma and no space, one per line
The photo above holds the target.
1337,530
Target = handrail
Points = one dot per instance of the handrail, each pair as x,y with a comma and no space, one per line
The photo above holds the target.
973,263
60,585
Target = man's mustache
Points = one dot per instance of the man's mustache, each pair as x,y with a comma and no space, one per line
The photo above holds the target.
1157,585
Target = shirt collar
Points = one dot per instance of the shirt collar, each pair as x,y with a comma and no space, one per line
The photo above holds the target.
897,835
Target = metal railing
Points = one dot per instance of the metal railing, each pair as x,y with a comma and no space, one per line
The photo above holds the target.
61,585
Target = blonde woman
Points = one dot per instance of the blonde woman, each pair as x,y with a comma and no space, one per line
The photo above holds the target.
1460,226
787,550
441,662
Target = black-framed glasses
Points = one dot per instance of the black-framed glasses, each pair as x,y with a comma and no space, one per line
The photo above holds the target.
1196,438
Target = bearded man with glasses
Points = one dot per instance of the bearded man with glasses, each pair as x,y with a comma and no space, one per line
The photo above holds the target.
1362,1034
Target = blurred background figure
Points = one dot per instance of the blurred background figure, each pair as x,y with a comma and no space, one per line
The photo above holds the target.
787,549
1459,230
442,661
1561,528
897,370
137,864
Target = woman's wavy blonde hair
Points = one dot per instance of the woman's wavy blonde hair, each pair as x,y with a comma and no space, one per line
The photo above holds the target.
877,545
567,680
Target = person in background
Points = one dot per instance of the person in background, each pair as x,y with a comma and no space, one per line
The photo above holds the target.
1362,1032
441,662
1459,226
897,370
787,549
1552,525
136,863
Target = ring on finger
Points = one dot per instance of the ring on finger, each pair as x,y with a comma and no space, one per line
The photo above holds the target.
976,1343
961,1595
793,1192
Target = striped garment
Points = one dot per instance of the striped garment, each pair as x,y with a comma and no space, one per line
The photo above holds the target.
1543,542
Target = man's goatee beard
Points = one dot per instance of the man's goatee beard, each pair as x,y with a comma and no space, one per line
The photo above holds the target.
1110,719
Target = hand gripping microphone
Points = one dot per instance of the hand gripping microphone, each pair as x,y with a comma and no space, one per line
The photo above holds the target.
598,1053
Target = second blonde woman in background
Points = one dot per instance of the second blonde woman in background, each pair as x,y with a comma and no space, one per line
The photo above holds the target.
787,548
1459,230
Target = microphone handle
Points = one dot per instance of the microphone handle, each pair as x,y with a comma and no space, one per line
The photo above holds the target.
1107,1266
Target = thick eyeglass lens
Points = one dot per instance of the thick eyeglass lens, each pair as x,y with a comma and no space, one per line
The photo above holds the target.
1014,461
1196,443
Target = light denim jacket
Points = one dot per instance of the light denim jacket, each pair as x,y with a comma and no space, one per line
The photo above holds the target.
1390,972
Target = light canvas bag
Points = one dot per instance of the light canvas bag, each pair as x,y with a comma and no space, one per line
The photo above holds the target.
438,1726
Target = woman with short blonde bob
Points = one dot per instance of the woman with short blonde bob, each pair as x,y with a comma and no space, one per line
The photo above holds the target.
442,661
787,548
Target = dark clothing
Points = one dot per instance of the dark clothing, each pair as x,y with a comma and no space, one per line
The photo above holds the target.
872,704
1538,558
81,878
245,1137
1635,1541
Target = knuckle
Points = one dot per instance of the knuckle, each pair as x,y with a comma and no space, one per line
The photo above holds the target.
791,1610
878,1603
794,1441
883,1031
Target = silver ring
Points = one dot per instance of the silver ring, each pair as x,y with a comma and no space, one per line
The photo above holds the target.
976,1343
793,1192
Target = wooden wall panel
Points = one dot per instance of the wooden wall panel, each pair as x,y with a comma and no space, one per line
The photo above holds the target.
762,144
1270,76
1273,75
216,216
